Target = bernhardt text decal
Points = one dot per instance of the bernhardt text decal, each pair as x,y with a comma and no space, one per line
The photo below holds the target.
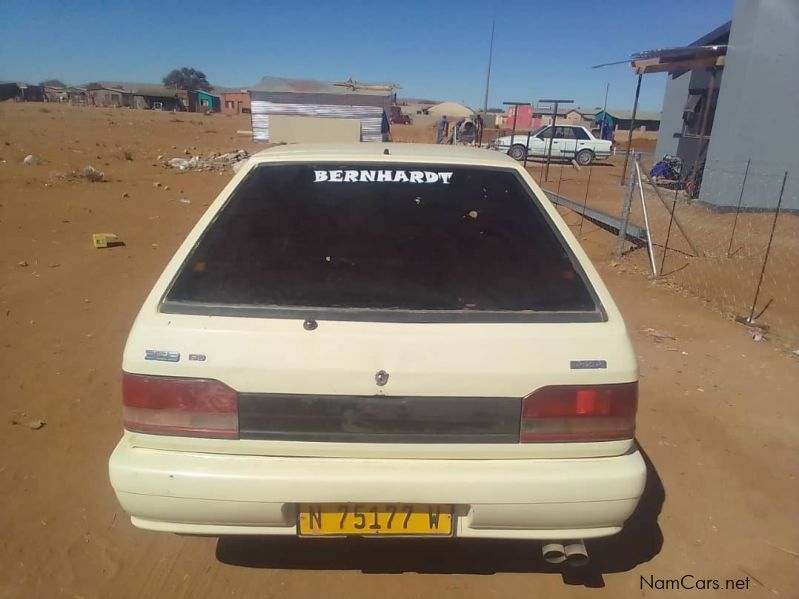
382,176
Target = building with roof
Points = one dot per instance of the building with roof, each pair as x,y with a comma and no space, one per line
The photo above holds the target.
235,101
727,107
134,95
576,115
55,93
65,94
567,115
198,100
370,104
685,104
21,92
520,116
622,119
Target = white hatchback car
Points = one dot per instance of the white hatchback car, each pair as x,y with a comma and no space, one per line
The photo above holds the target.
380,340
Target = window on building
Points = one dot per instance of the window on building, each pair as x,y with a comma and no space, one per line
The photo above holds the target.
692,107
697,110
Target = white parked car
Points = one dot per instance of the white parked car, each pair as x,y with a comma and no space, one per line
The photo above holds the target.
380,340
571,142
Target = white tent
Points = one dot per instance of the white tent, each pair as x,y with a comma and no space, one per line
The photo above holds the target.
451,109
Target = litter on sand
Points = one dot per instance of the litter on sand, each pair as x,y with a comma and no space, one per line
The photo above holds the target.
658,335
106,240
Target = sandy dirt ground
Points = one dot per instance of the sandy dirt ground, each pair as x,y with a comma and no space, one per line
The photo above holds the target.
718,416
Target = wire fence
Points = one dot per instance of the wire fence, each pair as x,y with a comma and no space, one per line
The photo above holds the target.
732,240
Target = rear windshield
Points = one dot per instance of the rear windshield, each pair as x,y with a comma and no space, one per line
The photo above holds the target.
382,237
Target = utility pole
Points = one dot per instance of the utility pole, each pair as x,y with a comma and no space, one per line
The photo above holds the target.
605,113
552,131
490,58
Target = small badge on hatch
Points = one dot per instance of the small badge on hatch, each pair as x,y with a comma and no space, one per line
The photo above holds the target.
381,378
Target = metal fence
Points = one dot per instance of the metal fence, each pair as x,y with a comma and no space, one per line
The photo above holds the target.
736,247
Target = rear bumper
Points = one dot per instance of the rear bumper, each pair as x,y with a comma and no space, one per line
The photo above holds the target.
213,494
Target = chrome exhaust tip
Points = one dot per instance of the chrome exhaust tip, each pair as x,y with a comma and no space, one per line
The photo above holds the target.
576,554
554,553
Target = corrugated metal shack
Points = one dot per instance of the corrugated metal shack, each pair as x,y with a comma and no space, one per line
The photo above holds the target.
368,103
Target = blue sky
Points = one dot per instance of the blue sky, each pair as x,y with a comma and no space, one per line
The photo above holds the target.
432,49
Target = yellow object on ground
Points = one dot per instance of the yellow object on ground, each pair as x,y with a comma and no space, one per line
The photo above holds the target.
104,240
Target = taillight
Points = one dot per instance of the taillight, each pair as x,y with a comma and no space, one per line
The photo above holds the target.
179,406
580,413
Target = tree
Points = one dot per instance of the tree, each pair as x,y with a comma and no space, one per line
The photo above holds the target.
53,83
187,78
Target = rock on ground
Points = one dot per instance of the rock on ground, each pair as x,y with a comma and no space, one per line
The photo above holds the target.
91,174
212,162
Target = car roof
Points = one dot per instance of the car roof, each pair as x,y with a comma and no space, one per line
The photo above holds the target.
397,152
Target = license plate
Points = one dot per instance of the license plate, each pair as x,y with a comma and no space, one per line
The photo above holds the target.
374,519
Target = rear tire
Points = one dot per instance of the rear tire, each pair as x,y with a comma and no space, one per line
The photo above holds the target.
584,157
517,152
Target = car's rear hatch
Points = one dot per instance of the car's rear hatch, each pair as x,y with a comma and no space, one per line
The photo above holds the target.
358,305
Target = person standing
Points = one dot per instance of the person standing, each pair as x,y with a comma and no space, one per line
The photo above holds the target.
443,129
478,123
